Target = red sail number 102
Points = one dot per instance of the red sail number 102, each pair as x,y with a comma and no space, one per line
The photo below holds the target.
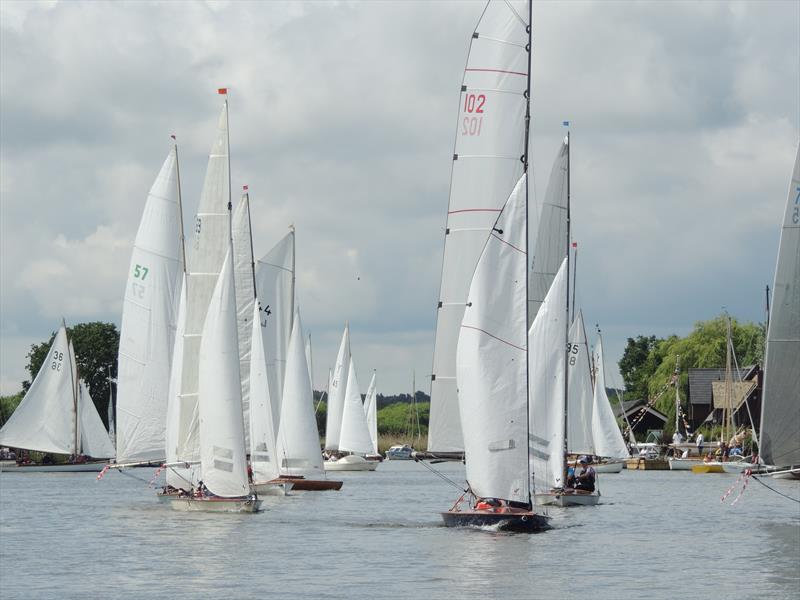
471,125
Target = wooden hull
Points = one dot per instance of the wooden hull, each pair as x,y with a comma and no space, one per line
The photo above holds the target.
514,520
708,468
565,499
351,463
88,467
647,464
301,484
228,505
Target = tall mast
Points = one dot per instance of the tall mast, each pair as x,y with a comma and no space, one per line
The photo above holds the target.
294,276
566,321
574,275
527,237
73,376
180,202
246,198
677,396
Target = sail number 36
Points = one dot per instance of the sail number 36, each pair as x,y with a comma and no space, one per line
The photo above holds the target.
473,104
57,358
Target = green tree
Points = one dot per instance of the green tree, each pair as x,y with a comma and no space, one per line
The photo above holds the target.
96,348
8,404
635,366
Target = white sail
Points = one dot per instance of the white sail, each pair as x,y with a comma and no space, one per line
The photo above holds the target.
491,361
147,333
337,392
371,408
94,437
546,373
275,290
581,393
73,361
263,453
45,418
245,297
112,434
298,437
608,440
355,433
780,405
212,235
177,477
490,140
222,452
548,252
310,362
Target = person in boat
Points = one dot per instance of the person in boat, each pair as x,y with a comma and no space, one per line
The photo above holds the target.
708,458
488,504
699,443
570,477
586,478
736,451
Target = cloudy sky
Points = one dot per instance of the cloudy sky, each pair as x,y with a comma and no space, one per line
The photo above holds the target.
684,126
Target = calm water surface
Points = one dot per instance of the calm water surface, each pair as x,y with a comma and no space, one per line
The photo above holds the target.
656,534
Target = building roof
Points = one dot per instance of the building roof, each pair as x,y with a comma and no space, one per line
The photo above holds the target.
631,407
700,381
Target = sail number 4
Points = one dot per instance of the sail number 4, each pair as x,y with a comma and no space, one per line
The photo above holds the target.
473,104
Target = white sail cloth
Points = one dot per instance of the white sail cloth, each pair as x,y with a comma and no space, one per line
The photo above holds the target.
275,291
337,393
45,418
371,409
212,235
780,405
546,373
94,437
608,440
548,252
245,297
491,361
263,452
355,433
298,437
222,452
581,394
490,140
147,332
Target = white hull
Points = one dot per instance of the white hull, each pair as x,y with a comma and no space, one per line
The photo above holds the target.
264,488
737,467
229,505
91,467
351,463
567,499
684,464
609,467
787,474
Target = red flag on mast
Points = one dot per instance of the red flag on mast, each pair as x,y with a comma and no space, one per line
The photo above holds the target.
222,91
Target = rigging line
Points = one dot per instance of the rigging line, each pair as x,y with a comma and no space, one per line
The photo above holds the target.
758,479
440,475
514,10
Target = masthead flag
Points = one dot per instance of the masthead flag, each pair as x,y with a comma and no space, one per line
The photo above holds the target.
222,91
565,123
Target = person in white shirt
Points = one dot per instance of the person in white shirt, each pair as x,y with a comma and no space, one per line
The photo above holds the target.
699,443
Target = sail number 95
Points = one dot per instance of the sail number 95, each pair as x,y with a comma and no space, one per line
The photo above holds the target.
473,104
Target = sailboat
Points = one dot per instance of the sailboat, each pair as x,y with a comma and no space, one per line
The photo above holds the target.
371,410
354,437
780,404
336,394
57,415
149,315
606,435
224,485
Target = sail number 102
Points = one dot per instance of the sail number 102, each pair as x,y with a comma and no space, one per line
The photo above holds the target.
473,104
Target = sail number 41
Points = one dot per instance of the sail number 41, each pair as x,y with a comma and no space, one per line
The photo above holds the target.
473,104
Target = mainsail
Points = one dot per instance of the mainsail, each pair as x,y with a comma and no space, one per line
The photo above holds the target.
580,395
608,440
371,408
337,393
275,291
263,453
491,361
147,333
94,437
354,436
223,459
546,360
487,163
780,405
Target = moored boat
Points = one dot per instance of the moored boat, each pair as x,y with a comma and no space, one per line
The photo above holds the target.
351,462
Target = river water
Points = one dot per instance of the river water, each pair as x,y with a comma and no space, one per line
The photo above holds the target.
656,534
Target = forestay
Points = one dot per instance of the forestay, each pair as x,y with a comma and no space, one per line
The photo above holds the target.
546,360
147,333
245,297
222,452
336,393
355,433
487,163
491,361
371,408
298,436
263,453
45,418
94,437
275,290
548,252
212,235
581,394
780,406
608,440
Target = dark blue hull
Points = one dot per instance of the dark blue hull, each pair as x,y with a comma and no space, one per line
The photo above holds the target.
520,521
